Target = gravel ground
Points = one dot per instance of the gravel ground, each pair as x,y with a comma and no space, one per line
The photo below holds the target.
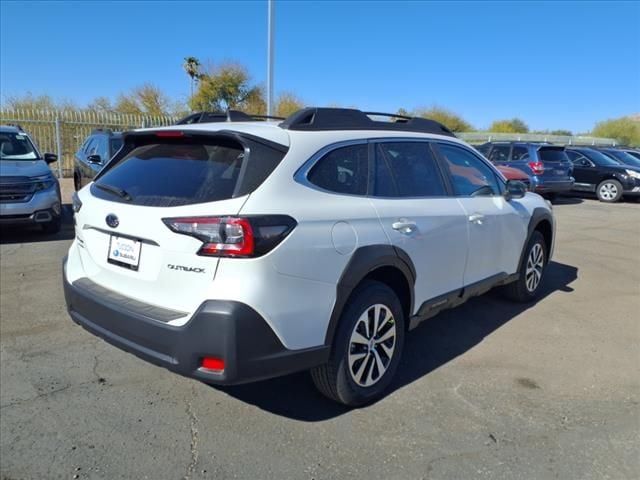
488,390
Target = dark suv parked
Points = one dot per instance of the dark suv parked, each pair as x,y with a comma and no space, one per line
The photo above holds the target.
94,153
548,166
607,178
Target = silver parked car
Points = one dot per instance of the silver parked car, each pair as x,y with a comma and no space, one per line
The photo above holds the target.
29,192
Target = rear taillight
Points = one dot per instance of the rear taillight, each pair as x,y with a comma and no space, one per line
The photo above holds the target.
537,167
234,236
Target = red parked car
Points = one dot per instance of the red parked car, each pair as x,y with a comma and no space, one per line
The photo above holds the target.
511,173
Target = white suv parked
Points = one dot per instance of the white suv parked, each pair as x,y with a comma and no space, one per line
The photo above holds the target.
235,251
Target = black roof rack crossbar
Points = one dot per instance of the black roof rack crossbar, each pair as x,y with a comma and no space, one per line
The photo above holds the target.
319,119
228,116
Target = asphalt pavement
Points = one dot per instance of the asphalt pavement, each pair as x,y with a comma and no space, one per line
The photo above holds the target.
491,390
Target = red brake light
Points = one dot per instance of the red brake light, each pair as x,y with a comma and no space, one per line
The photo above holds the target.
537,167
211,363
170,133
234,236
221,236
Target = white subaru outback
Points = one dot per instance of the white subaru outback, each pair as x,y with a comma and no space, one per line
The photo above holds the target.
234,251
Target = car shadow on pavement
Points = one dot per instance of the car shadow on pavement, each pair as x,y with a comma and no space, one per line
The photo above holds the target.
33,234
434,343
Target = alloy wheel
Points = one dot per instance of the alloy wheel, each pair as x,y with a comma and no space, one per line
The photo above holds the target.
372,345
535,264
608,191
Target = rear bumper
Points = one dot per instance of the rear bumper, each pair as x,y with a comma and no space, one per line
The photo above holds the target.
222,329
554,186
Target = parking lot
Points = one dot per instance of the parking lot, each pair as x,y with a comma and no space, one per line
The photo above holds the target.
488,390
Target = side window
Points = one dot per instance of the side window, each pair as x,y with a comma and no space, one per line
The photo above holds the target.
407,169
343,170
116,144
102,148
500,153
520,153
577,158
470,175
89,146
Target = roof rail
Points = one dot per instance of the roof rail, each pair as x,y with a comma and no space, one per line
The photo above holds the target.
319,119
14,125
228,116
105,130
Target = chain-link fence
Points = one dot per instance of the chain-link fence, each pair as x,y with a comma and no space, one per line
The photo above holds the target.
63,131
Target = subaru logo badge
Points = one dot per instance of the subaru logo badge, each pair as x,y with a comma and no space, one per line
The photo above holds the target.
112,220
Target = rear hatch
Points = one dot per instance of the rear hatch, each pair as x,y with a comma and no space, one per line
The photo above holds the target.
127,241
556,163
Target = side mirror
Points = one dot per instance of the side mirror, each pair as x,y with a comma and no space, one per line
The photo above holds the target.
50,157
515,189
94,159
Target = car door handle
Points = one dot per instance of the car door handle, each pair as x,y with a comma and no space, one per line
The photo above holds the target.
404,226
476,218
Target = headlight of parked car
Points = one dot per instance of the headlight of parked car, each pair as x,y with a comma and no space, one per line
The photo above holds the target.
44,182
632,174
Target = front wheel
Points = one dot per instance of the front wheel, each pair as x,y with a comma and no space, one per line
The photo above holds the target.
367,347
609,191
534,262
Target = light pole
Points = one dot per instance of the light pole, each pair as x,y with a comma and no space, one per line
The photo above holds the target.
270,58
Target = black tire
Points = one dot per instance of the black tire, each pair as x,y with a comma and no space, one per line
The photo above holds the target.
53,226
76,182
520,290
550,196
609,191
336,379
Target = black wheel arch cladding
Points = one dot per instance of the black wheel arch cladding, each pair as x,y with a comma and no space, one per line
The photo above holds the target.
363,262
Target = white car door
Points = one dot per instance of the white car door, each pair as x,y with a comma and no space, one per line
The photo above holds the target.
419,216
497,227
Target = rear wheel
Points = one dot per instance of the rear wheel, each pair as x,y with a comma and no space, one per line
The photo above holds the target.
609,191
534,262
367,347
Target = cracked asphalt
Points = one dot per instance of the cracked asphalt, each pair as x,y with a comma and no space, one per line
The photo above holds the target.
488,390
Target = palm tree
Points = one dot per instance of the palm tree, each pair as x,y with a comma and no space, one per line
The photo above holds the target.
191,66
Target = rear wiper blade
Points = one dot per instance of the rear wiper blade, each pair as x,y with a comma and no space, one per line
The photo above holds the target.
115,190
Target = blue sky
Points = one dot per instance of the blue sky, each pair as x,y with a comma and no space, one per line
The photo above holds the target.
553,64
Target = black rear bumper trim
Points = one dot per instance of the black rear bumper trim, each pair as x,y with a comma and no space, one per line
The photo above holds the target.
223,329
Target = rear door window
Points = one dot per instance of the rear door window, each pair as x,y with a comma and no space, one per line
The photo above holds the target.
500,153
186,172
343,170
520,153
407,169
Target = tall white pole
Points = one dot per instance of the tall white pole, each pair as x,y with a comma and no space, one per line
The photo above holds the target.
270,59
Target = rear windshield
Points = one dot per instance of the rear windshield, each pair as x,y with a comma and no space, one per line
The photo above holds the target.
182,173
16,146
553,155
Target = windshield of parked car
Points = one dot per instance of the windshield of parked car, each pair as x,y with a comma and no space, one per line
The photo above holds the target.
599,158
16,146
631,161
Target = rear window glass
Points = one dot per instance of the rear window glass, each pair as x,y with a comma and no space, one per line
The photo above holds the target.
552,155
343,170
182,173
